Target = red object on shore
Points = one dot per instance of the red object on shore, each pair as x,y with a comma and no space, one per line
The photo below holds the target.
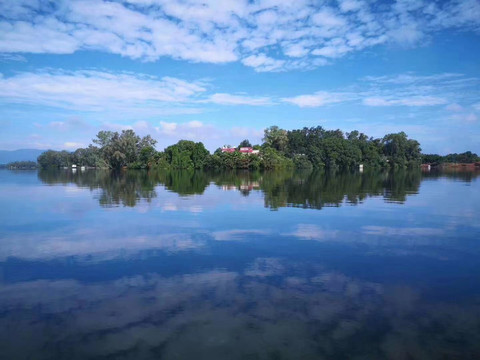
246,150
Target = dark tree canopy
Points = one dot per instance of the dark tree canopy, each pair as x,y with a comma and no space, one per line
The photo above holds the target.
466,158
245,143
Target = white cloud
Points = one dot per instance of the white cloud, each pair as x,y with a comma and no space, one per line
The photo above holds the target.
260,34
12,57
192,130
468,117
454,107
241,133
410,78
95,90
72,145
407,89
70,124
409,101
376,102
350,5
296,50
332,51
48,35
142,125
327,18
168,128
408,35
320,98
89,90
263,63
229,99
195,124
457,91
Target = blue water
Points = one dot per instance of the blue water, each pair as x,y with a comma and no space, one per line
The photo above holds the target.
280,265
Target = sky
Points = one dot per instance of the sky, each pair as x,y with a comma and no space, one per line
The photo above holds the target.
222,71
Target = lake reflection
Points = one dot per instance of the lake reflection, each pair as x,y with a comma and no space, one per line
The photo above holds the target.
195,265
307,189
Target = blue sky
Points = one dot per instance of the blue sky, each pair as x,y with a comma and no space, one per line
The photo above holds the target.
221,71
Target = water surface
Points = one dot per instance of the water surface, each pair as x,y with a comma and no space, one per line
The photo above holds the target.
242,265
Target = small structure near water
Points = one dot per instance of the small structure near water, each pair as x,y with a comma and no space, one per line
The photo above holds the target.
228,150
243,150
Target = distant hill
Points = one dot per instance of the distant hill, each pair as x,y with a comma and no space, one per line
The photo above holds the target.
7,156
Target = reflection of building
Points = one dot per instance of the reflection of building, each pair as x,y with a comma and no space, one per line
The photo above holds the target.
245,186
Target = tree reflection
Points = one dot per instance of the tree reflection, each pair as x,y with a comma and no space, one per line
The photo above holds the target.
288,188
317,189
457,173
187,182
116,187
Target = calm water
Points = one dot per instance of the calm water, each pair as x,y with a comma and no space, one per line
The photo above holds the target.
138,265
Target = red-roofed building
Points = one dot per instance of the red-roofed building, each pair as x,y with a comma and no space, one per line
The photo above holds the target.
246,150
243,150
229,150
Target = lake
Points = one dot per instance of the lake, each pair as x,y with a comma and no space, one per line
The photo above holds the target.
240,265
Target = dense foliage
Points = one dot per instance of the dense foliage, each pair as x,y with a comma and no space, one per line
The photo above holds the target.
465,158
317,147
304,148
114,150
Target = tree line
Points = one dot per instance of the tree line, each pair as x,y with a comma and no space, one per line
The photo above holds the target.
312,147
20,165
464,158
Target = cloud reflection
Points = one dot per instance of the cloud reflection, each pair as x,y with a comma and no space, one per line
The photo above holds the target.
92,245
267,310
405,231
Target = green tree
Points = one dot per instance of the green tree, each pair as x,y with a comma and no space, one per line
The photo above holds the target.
187,154
272,159
125,149
199,155
244,143
401,151
55,159
276,138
